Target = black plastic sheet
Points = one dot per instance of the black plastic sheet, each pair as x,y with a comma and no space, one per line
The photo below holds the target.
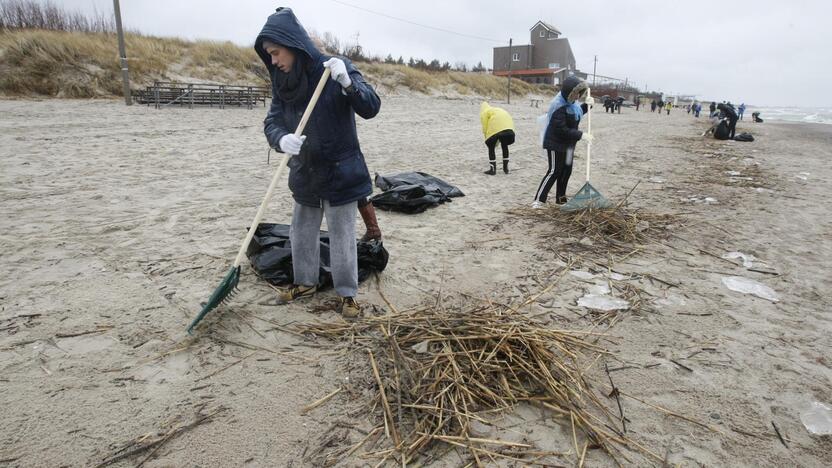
270,254
412,192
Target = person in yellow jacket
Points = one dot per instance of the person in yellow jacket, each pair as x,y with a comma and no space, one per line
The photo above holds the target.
496,126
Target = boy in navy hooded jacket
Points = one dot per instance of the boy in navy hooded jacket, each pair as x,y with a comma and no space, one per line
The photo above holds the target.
327,172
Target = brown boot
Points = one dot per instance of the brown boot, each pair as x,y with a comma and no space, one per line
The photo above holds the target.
368,214
348,308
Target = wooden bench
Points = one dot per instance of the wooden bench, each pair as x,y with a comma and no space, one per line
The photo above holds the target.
162,94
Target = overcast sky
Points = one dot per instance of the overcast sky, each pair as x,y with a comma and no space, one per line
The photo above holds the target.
763,52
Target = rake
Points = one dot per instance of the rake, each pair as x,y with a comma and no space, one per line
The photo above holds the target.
587,196
228,287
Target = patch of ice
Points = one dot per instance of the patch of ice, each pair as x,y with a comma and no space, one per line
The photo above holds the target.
817,419
749,286
747,259
605,303
618,277
710,200
599,289
733,173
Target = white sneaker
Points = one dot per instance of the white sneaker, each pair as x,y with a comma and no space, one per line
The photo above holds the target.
538,205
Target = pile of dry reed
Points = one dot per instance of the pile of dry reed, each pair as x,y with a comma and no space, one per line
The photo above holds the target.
618,230
439,369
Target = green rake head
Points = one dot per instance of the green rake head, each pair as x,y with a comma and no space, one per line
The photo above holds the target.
224,291
586,198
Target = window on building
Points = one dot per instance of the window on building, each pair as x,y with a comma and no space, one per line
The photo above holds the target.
515,57
554,65
542,33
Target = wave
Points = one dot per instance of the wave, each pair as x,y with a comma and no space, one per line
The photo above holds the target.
794,114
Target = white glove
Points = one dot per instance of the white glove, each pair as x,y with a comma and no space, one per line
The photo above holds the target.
290,144
587,137
338,71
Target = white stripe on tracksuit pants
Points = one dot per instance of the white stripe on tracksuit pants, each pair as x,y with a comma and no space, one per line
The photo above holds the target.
560,169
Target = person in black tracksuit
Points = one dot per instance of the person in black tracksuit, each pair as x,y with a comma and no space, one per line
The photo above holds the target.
731,114
560,138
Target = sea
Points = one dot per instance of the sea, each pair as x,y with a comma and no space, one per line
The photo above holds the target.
822,115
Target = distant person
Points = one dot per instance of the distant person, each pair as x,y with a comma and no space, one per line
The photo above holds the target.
731,115
497,125
668,106
327,172
638,102
755,116
713,107
660,106
741,110
653,105
688,107
560,138
697,108
619,103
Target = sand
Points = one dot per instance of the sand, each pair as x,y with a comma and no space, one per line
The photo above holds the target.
117,222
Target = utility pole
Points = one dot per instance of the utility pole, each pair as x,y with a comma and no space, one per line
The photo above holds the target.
510,59
594,66
125,75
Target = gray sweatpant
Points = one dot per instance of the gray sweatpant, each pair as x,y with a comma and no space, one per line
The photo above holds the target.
306,247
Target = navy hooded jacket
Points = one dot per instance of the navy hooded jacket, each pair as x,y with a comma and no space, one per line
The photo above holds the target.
330,165
562,131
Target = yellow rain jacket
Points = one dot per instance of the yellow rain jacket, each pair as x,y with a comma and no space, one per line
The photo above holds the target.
494,120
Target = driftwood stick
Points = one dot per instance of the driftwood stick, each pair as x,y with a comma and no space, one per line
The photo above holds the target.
676,415
320,401
225,368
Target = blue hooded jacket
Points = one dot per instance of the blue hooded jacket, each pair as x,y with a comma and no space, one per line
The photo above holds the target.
564,117
330,165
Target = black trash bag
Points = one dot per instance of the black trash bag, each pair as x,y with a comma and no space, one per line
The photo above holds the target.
429,182
410,199
412,192
744,136
721,132
270,254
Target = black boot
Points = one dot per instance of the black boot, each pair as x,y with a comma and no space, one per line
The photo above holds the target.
505,165
492,170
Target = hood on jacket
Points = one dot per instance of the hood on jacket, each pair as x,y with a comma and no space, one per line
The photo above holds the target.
283,28
572,88
484,107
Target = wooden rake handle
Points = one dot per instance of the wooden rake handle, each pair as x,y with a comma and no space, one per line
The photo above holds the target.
260,211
